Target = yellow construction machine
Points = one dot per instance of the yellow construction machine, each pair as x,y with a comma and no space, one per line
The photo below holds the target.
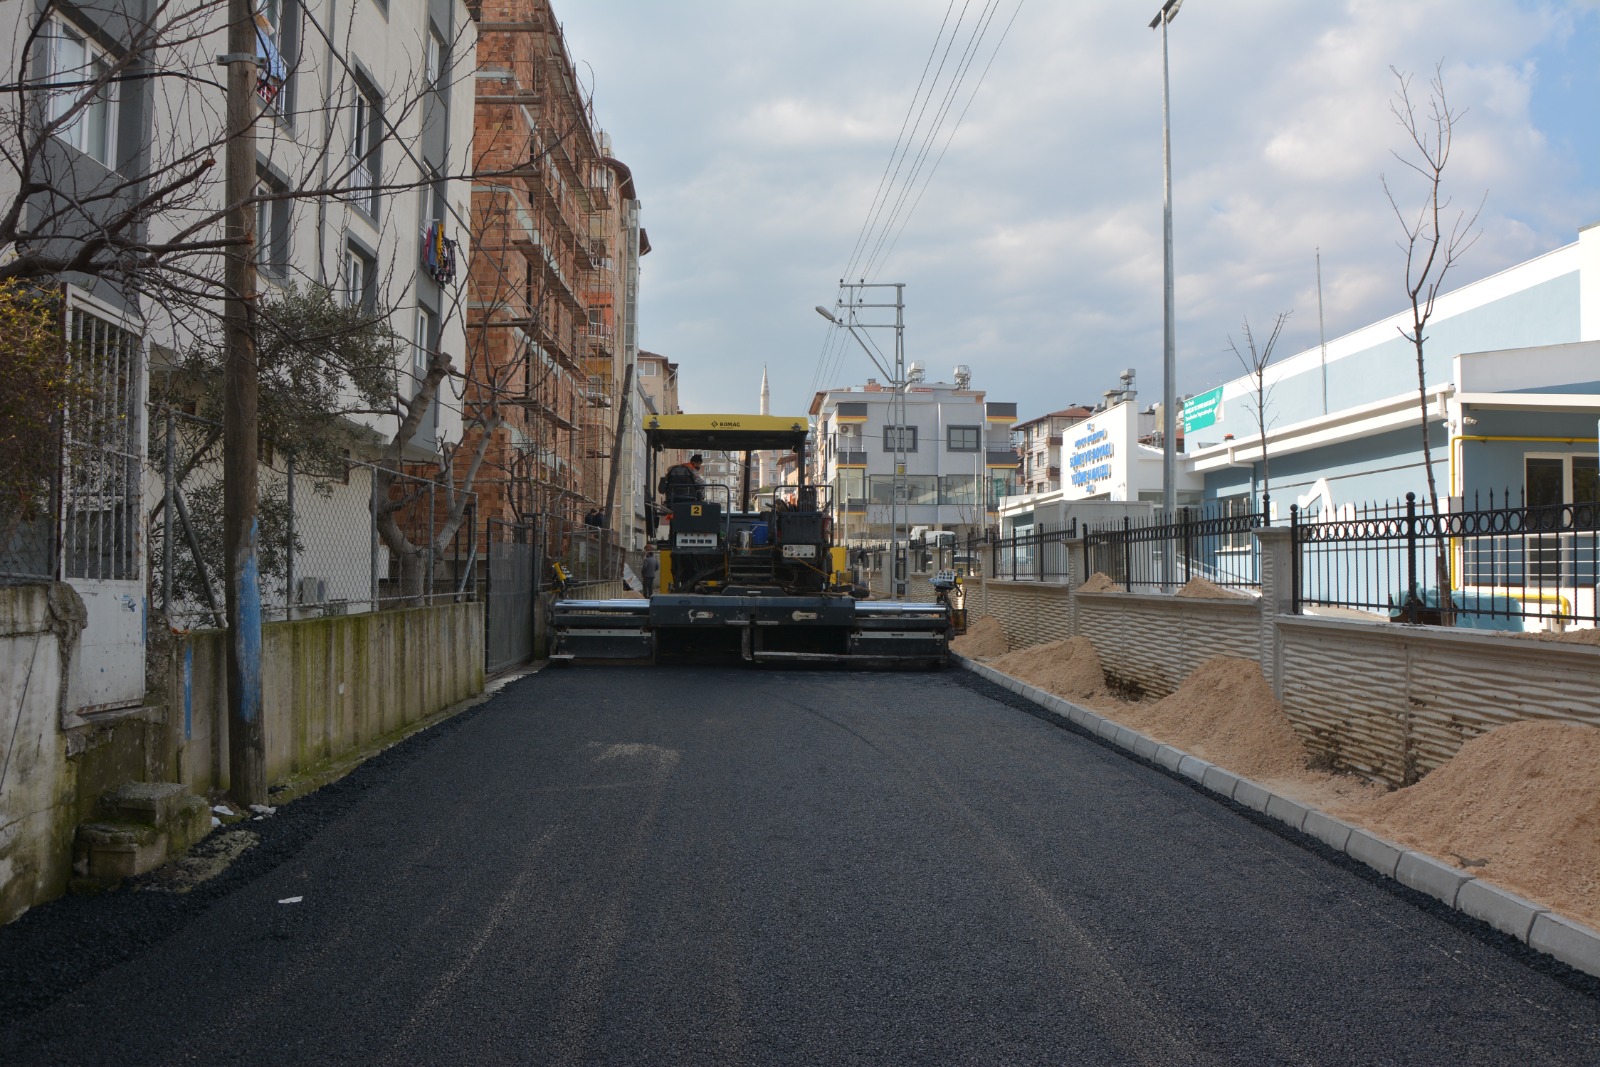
745,573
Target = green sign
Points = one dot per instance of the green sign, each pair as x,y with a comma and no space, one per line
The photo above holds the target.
1201,411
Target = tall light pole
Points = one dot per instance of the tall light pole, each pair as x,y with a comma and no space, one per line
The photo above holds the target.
899,503
1169,352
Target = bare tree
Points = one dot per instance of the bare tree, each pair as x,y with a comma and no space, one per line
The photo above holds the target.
1254,360
1434,235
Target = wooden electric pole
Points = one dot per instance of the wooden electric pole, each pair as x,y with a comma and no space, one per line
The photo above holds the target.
247,782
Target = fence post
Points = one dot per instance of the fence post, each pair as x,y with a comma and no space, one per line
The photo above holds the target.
1127,554
1277,597
1411,558
1076,562
427,596
372,473
1294,557
166,521
1188,547
288,542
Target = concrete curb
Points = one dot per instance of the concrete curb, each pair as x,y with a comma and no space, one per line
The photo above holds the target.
1569,941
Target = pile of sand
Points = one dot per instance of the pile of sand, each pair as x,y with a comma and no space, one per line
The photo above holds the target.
1069,669
984,639
1589,636
1518,806
1201,589
1225,712
1100,583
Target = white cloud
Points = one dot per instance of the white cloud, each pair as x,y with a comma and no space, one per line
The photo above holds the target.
758,133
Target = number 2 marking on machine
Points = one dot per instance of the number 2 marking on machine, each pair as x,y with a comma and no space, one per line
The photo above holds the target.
695,509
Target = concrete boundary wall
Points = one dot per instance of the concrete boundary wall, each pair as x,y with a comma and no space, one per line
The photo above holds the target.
1385,701
331,686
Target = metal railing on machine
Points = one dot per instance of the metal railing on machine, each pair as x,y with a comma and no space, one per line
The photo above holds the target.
1219,548
324,547
1492,566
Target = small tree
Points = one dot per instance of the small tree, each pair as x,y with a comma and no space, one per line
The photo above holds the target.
1431,239
1254,360
34,390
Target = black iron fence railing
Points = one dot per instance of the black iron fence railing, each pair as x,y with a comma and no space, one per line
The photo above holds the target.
1493,567
1040,555
1150,555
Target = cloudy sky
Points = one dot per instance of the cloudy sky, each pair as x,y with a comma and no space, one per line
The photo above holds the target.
759,134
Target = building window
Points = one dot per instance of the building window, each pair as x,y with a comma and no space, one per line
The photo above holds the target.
647,370
365,133
272,228
359,291
433,68
426,338
966,439
899,438
72,58
275,41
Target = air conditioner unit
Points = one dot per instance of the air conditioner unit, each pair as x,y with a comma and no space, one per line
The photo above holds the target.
311,591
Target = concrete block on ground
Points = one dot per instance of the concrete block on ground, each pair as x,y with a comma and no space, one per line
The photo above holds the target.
1289,812
1500,908
1382,856
1108,729
1427,875
1145,747
1085,718
1219,781
1570,942
1169,757
1252,796
1126,738
1193,767
1327,829
112,851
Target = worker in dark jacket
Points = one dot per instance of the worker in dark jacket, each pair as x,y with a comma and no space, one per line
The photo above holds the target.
682,481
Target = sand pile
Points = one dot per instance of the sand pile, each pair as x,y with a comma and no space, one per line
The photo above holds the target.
1201,589
1590,636
1100,583
1225,712
1518,806
984,639
1069,669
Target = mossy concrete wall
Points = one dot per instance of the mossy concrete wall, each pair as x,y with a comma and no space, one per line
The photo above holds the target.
36,790
330,686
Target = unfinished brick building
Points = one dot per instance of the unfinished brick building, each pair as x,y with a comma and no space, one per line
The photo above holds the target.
556,245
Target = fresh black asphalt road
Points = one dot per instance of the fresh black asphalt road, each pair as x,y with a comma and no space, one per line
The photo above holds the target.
716,866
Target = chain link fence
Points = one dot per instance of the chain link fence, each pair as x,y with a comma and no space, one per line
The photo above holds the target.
352,539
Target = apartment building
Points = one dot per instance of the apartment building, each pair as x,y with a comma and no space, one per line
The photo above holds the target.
553,302
359,127
957,446
1038,444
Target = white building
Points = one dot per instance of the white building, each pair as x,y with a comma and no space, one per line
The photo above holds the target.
957,448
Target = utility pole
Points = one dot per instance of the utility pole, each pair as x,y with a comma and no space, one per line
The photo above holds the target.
247,782
900,503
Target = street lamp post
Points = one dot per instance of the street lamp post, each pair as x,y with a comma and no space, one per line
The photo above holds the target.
1169,352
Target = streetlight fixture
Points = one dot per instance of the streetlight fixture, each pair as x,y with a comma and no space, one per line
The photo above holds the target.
1169,353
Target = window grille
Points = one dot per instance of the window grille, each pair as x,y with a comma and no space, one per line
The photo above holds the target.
101,471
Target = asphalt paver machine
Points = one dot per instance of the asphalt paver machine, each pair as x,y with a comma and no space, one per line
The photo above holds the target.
745,573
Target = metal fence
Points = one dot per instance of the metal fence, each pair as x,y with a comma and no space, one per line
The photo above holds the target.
1148,556
590,555
323,548
1040,555
1490,567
